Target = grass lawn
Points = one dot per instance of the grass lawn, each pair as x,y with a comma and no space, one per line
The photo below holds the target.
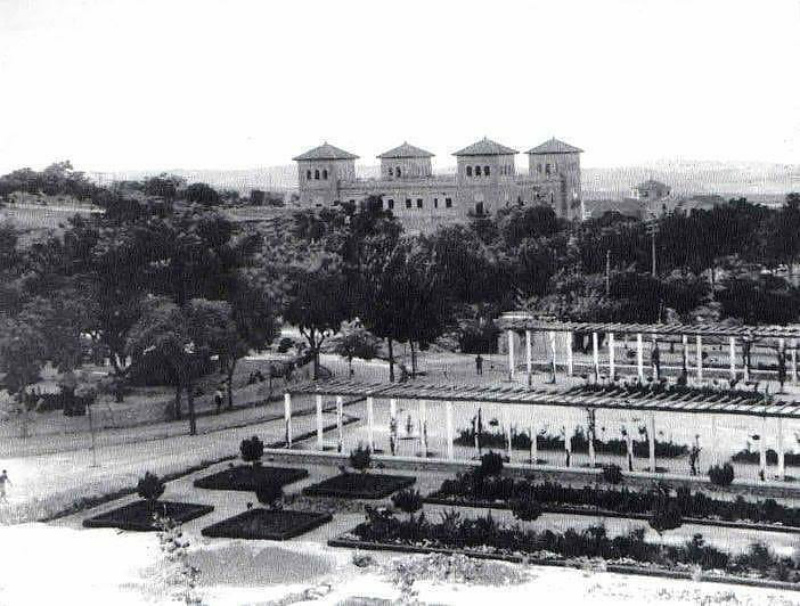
269,524
139,515
250,478
359,486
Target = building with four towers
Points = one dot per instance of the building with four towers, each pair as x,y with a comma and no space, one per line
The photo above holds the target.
485,181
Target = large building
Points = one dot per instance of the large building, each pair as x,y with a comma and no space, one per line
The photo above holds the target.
485,181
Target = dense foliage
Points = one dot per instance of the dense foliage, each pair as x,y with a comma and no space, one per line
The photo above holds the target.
252,449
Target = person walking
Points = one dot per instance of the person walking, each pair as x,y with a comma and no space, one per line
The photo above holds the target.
479,364
218,399
4,480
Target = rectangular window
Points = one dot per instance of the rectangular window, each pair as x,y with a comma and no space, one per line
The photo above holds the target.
448,202
436,202
408,202
390,204
419,202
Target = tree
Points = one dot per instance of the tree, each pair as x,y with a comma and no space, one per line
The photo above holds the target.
356,343
666,514
150,488
408,501
252,450
526,508
203,194
361,458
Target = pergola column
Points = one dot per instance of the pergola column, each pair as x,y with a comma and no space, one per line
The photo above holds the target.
595,355
371,423
393,425
629,444
287,418
590,434
423,427
611,370
554,351
651,439
568,344
640,357
699,341
339,423
528,355
448,414
781,453
511,354
732,356
534,442
762,450
568,430
320,425
685,341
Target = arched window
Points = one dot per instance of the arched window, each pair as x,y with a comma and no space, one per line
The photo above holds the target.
391,172
308,175
316,175
486,170
469,171
397,171
325,174
477,171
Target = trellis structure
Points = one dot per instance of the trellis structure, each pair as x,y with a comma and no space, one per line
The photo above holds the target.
521,322
588,397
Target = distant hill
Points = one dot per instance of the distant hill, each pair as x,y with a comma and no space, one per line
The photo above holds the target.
762,182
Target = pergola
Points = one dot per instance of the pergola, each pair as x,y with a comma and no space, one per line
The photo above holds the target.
588,397
514,322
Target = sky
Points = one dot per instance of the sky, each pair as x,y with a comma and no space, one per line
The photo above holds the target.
118,85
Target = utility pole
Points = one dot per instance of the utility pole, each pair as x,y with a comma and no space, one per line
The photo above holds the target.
652,229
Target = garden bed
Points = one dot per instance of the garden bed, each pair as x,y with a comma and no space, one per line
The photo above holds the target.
360,486
138,516
250,478
695,508
267,524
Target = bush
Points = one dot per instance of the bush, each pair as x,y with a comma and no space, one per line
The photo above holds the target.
612,474
150,488
666,515
252,450
526,509
491,464
408,501
270,495
285,344
721,476
361,458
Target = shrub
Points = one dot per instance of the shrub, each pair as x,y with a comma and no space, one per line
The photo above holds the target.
361,458
252,450
612,474
270,495
285,344
408,501
666,513
721,476
150,488
526,509
491,464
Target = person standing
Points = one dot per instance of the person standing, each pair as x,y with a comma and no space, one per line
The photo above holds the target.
479,364
4,480
218,399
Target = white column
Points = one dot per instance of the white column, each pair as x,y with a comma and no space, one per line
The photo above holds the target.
339,423
699,341
553,348
568,430
611,371
685,340
794,361
629,443
640,356
449,429
591,429
528,355
371,423
651,438
511,354
762,448
595,355
287,418
423,427
781,453
534,441
320,425
568,344
732,356
393,429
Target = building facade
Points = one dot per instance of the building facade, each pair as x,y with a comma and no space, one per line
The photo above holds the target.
485,181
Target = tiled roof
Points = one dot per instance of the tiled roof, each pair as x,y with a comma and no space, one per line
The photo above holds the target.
406,151
326,151
554,146
485,147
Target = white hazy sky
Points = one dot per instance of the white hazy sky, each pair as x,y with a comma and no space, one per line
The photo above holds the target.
159,84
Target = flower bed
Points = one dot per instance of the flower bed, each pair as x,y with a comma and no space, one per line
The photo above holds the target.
250,478
470,489
140,515
580,443
485,537
267,524
359,486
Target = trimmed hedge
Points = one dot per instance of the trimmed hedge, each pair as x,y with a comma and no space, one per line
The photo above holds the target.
359,486
268,524
140,515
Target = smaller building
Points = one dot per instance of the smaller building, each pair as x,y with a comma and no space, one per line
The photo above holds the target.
650,190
